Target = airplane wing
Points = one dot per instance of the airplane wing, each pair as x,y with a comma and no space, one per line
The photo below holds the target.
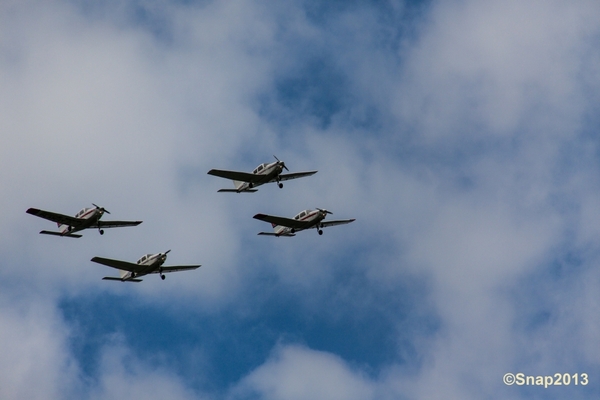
176,268
117,224
293,175
287,222
325,224
118,264
236,175
55,217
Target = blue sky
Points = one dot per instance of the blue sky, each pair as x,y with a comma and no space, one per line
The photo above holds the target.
461,135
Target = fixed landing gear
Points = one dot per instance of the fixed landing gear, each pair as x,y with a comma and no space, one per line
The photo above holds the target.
280,185
162,277
320,231
101,232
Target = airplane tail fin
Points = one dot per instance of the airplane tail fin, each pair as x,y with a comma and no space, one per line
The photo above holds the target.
237,184
123,277
277,232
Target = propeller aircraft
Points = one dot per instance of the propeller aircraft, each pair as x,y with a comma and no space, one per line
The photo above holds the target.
147,264
306,219
264,173
87,218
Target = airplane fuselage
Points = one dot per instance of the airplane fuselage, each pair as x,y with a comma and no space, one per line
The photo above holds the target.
267,172
89,216
151,262
311,218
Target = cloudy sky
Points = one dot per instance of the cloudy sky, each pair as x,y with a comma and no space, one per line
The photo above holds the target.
462,135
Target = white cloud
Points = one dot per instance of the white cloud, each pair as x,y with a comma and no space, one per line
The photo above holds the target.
124,376
35,362
99,109
295,372
485,69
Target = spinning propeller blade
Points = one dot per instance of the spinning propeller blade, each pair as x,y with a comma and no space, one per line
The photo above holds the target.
281,163
101,208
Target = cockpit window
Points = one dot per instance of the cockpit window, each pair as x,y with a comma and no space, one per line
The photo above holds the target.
259,168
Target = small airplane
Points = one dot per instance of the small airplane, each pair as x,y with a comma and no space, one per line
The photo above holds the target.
264,173
87,218
306,219
147,264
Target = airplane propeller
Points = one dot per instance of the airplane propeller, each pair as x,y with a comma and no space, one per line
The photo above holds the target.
160,270
325,211
101,208
281,163
166,252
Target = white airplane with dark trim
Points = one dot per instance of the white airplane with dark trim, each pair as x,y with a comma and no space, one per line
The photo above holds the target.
265,173
87,218
147,264
306,219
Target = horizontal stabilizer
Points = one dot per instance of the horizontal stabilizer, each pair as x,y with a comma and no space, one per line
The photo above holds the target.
113,278
274,234
73,235
236,191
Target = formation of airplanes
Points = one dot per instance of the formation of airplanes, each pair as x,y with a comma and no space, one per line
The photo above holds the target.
244,182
